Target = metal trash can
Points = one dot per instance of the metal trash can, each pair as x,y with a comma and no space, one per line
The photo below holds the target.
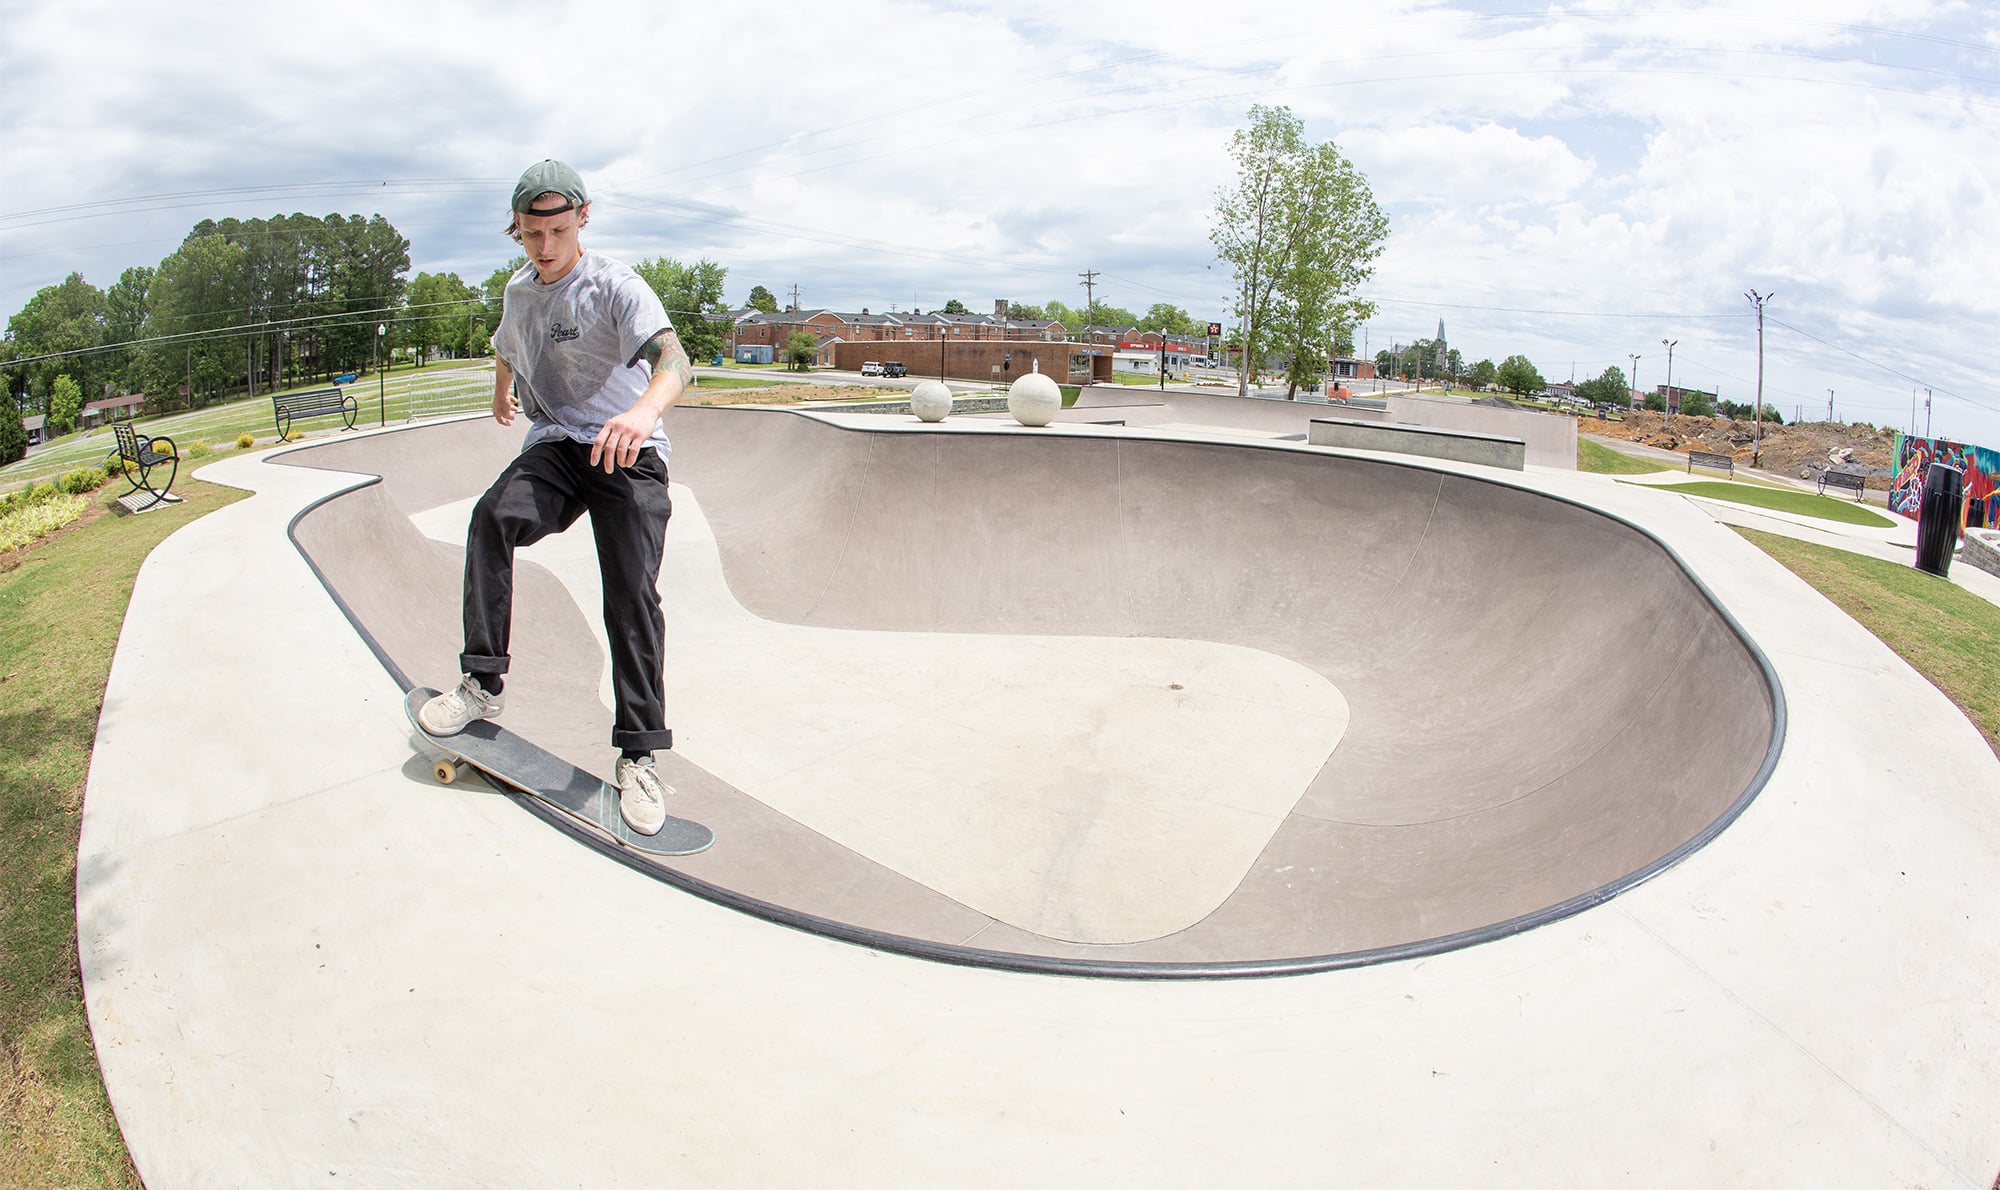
1937,518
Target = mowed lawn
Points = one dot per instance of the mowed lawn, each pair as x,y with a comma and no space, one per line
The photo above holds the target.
62,603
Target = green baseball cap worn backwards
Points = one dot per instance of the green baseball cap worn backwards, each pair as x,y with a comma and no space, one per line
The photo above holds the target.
549,177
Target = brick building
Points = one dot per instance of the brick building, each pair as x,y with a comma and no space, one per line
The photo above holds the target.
757,337
990,361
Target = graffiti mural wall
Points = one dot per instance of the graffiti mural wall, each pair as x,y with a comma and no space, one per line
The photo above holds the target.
1980,464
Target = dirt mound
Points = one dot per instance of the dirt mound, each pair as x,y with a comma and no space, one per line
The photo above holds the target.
1802,451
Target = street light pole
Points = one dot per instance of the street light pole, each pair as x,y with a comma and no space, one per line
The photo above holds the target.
381,381
1757,432
1667,404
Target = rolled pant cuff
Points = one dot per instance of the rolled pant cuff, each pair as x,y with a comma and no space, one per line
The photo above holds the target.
473,664
643,741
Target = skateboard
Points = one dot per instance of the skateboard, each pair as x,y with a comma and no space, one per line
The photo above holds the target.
527,770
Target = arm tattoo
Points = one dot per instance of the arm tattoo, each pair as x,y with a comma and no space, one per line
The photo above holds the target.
664,351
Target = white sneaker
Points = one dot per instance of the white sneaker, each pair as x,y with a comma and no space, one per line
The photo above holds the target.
448,713
642,798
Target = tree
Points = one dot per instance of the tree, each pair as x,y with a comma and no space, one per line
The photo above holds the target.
1518,376
801,349
125,322
1697,404
1337,233
1608,388
1656,402
1169,319
65,405
1485,374
13,433
691,293
198,288
763,299
439,307
954,306
60,318
1300,230
494,290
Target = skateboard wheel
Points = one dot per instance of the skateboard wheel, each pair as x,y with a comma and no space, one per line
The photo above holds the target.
445,771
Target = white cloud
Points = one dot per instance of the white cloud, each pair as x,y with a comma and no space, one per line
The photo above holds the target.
1598,162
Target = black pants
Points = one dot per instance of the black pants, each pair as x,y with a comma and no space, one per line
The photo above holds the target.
543,491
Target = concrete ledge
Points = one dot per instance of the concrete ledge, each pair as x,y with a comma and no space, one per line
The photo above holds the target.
1981,549
1458,445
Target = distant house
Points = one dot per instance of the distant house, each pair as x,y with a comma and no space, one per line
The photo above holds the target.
33,423
97,413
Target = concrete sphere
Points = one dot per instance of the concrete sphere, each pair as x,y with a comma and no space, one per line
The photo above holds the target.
930,401
1034,399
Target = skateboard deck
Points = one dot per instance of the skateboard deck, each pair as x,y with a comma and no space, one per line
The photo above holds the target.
527,770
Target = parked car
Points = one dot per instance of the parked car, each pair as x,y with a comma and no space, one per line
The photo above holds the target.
895,368
872,368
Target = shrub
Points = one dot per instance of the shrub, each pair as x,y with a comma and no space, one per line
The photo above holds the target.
38,518
81,480
199,449
41,491
245,441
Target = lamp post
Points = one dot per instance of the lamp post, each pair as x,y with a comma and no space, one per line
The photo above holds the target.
381,382
1668,403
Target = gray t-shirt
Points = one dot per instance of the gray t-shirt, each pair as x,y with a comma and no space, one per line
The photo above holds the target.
574,347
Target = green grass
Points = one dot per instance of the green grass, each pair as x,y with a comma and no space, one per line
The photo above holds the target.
1782,500
1599,459
60,612
703,382
1945,632
392,397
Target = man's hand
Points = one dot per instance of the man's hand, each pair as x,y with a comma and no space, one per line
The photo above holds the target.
504,404
618,444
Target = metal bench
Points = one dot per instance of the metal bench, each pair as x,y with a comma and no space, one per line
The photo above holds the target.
318,402
140,460
1708,458
1853,481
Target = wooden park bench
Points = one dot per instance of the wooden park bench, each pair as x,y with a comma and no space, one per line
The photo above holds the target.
318,402
1853,481
141,460
1708,458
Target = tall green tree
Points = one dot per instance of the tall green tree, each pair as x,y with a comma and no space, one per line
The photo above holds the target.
439,310
1607,388
691,293
1517,375
1169,319
125,321
60,318
1299,230
1484,373
1336,231
65,405
197,292
954,306
13,432
763,299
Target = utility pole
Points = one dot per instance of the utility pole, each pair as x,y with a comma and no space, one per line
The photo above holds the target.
1913,411
1829,406
1634,379
1089,284
1669,402
1757,431
795,297
1927,413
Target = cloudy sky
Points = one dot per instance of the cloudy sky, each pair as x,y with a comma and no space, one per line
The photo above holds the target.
1571,184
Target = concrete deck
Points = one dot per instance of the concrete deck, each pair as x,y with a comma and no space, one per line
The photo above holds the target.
304,959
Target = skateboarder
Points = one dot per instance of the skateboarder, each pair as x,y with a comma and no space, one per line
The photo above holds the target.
586,343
